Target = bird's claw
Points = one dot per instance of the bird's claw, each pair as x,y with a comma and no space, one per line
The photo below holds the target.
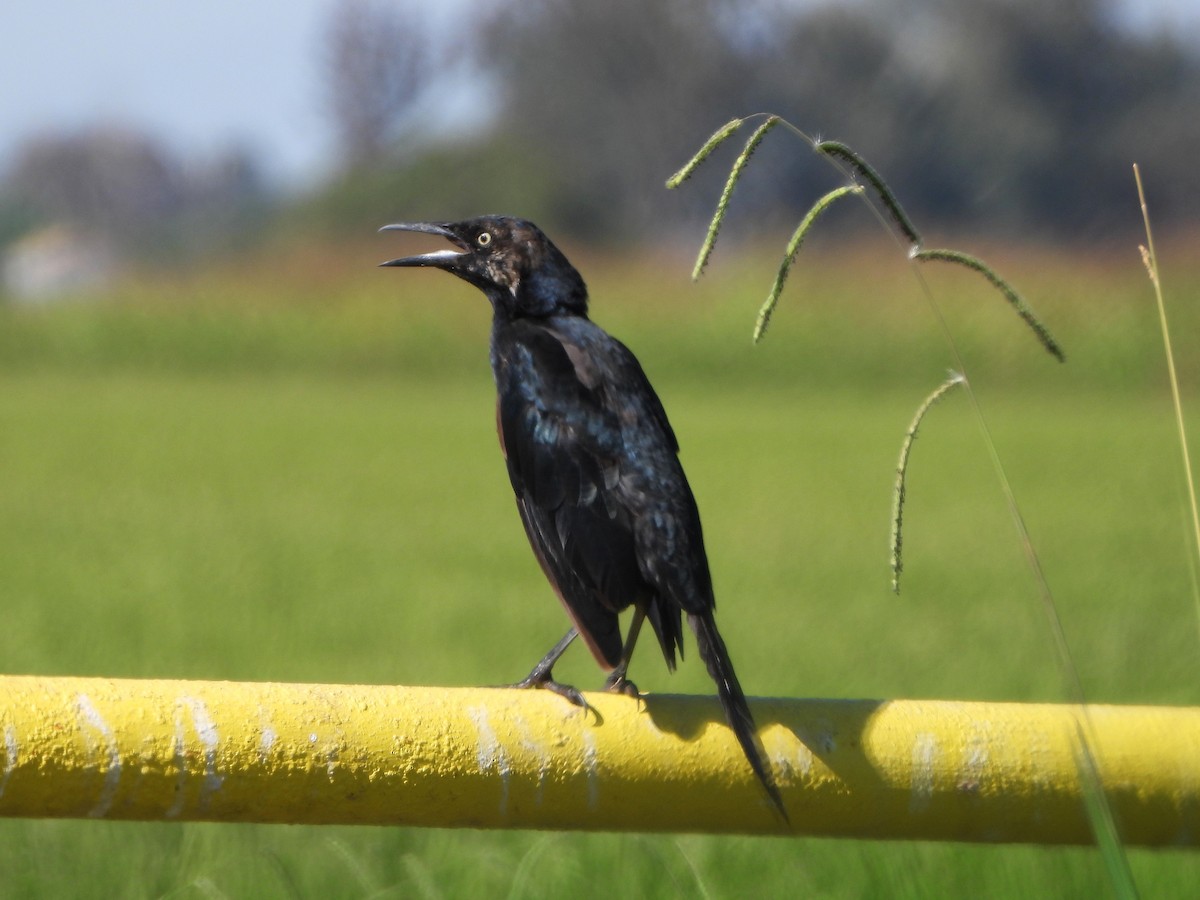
617,683
542,679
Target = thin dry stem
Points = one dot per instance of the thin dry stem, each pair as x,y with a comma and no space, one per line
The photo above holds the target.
1150,258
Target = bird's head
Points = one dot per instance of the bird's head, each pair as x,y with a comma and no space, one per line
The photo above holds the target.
510,260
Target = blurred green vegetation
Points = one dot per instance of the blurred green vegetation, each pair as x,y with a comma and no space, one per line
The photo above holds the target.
287,470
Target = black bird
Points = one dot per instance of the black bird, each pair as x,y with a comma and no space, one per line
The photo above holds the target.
594,464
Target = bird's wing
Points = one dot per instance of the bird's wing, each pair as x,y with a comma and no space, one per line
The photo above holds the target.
670,539
634,376
563,448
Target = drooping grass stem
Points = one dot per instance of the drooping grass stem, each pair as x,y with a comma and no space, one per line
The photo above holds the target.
900,493
739,165
789,256
1014,299
886,196
718,137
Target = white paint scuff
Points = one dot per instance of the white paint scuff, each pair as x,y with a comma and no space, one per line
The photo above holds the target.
537,749
974,765
924,758
92,723
12,754
490,753
206,733
591,764
269,737
800,761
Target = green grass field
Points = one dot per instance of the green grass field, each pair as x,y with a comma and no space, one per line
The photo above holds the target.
294,477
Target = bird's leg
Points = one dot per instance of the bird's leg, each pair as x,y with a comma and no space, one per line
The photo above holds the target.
541,676
616,681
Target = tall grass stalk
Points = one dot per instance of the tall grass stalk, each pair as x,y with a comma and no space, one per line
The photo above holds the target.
1099,813
1096,805
1150,260
903,230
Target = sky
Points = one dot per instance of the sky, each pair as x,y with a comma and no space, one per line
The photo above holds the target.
199,76
204,76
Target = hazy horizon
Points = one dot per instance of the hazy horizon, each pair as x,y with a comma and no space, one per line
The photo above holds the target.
203,78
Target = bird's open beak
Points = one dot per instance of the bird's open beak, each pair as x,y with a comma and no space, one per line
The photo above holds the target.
438,258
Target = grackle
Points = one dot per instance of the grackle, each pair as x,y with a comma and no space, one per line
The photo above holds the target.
594,464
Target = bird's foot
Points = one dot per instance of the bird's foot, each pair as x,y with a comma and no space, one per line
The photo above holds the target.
617,683
541,678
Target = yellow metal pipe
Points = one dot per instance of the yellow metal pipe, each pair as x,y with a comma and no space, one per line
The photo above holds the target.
500,758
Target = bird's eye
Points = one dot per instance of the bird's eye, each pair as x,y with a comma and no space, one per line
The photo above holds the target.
484,239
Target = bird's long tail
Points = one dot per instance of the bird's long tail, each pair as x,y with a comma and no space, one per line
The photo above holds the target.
733,701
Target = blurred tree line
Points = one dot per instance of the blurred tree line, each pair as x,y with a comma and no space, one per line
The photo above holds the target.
1010,116
144,199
